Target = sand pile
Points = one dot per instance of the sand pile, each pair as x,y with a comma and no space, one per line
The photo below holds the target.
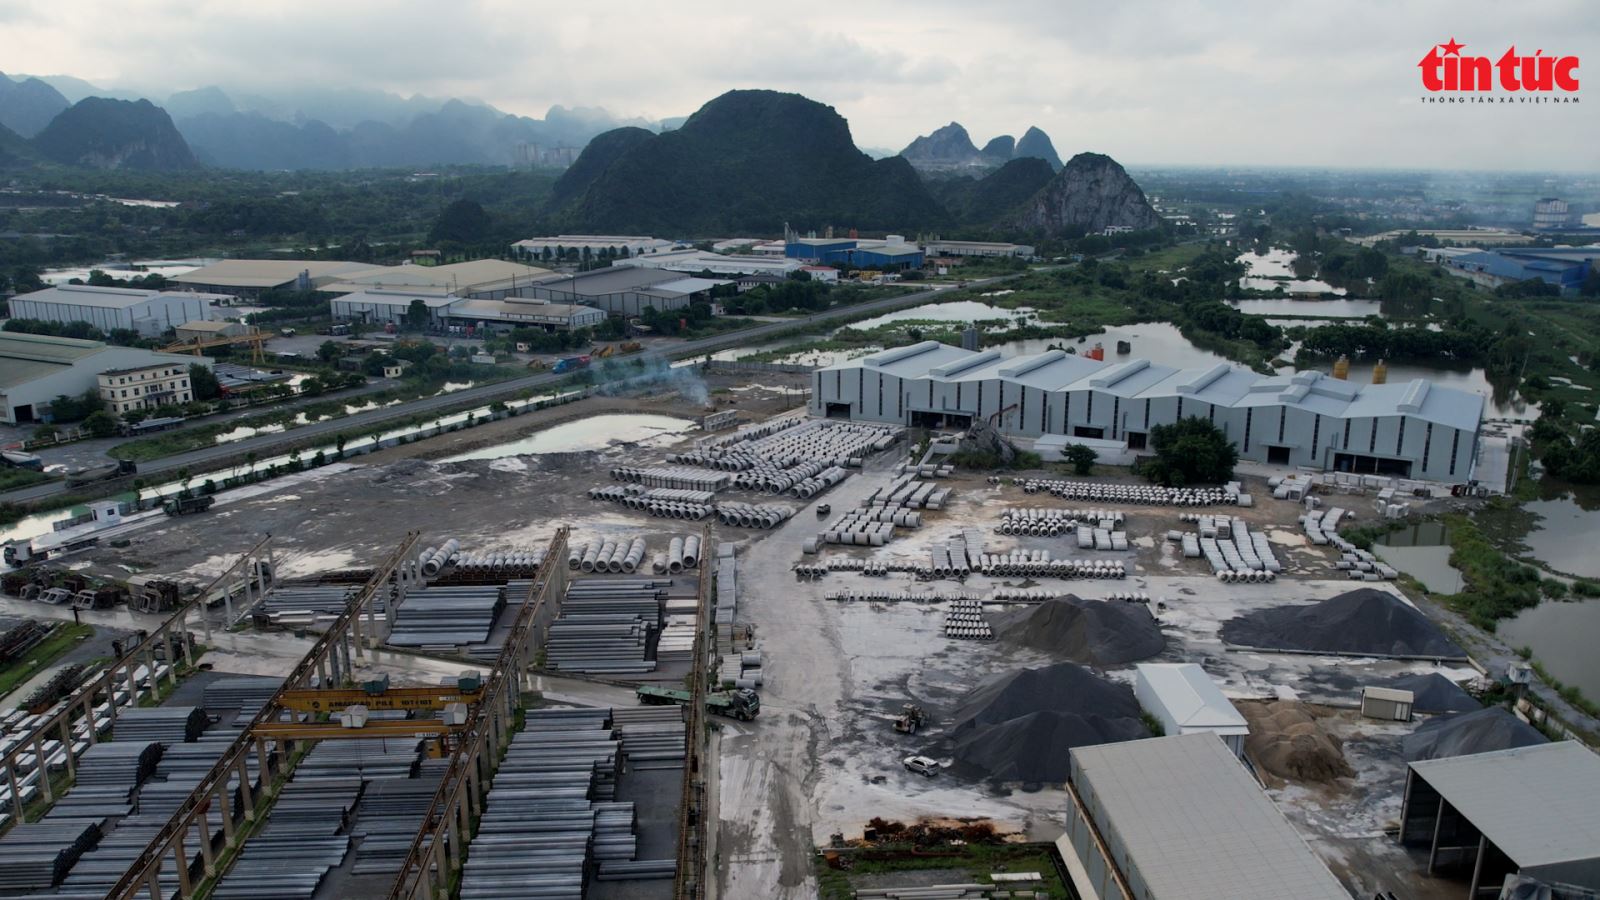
1466,733
1360,621
1019,725
1287,740
1434,693
1098,633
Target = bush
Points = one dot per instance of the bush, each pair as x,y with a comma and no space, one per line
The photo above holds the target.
100,424
1081,458
1190,451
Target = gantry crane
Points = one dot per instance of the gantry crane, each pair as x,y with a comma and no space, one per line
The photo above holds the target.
254,338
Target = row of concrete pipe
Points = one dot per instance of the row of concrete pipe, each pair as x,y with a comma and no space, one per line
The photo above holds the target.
616,557
676,477
682,553
1137,494
747,515
434,560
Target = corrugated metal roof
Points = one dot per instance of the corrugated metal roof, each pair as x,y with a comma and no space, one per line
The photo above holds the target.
267,273
1540,805
1192,698
89,295
1196,825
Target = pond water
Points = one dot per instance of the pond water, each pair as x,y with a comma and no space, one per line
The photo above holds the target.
954,311
1423,552
1269,271
126,269
1329,309
594,433
1561,635
1564,532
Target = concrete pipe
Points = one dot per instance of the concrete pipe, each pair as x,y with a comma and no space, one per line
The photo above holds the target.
691,551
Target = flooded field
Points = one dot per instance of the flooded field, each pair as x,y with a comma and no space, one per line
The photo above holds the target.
595,433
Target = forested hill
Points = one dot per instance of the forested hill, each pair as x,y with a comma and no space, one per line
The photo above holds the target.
749,161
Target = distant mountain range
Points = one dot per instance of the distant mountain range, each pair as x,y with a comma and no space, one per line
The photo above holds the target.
949,150
748,162
754,161
333,129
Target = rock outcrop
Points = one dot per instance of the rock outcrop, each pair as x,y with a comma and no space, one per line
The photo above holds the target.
116,134
1091,192
1036,143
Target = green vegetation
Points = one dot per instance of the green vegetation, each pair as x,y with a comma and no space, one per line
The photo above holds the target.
64,637
969,863
1496,586
1190,451
1567,692
1082,459
12,478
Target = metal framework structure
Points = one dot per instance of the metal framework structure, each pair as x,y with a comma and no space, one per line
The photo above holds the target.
254,339
689,883
171,636
330,660
436,853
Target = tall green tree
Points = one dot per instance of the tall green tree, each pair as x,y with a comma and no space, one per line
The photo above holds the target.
1191,450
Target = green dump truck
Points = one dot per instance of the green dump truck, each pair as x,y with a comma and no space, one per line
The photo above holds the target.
743,704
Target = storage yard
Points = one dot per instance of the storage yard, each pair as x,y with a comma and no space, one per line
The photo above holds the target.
852,606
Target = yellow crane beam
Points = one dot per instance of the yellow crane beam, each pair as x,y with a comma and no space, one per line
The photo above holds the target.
255,339
374,729
313,700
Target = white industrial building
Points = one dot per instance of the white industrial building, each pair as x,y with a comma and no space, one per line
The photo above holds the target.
35,369
697,261
977,248
1184,699
1411,429
249,277
624,290
534,248
383,307
486,279
147,312
1179,818
379,306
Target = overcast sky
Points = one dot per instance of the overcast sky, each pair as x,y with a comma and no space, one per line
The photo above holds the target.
1239,82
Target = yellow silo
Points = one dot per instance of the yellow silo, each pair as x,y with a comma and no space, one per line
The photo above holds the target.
1341,367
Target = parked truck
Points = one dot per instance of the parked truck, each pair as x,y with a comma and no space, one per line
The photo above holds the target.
742,704
571,364
186,503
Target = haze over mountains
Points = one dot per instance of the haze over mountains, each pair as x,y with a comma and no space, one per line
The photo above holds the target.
749,161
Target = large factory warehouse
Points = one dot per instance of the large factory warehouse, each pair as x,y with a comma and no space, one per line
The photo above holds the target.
1411,429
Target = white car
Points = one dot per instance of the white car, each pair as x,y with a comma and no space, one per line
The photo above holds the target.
922,765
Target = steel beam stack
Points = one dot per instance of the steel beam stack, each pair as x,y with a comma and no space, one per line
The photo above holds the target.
444,617
606,624
304,840
388,816
167,724
550,813
308,605
38,855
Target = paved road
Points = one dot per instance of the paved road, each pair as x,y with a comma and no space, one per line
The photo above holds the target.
199,461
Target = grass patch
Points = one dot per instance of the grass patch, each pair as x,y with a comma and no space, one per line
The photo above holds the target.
1497,586
12,478
58,642
976,862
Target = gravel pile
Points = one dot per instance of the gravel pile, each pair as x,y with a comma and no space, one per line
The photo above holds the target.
1434,693
1019,725
1287,741
1463,734
1365,621
1097,633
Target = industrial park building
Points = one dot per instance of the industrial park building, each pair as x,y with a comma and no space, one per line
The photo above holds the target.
383,307
483,279
1532,812
893,252
695,262
108,308
251,277
1412,429
35,369
976,248
625,290
1179,818
534,248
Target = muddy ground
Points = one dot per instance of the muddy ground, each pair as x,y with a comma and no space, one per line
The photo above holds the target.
823,757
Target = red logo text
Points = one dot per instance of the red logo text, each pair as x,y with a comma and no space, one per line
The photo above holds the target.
1445,68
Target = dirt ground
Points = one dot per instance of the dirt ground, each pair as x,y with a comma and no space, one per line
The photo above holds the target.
823,757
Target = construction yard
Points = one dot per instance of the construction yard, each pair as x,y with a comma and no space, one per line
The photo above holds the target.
914,587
